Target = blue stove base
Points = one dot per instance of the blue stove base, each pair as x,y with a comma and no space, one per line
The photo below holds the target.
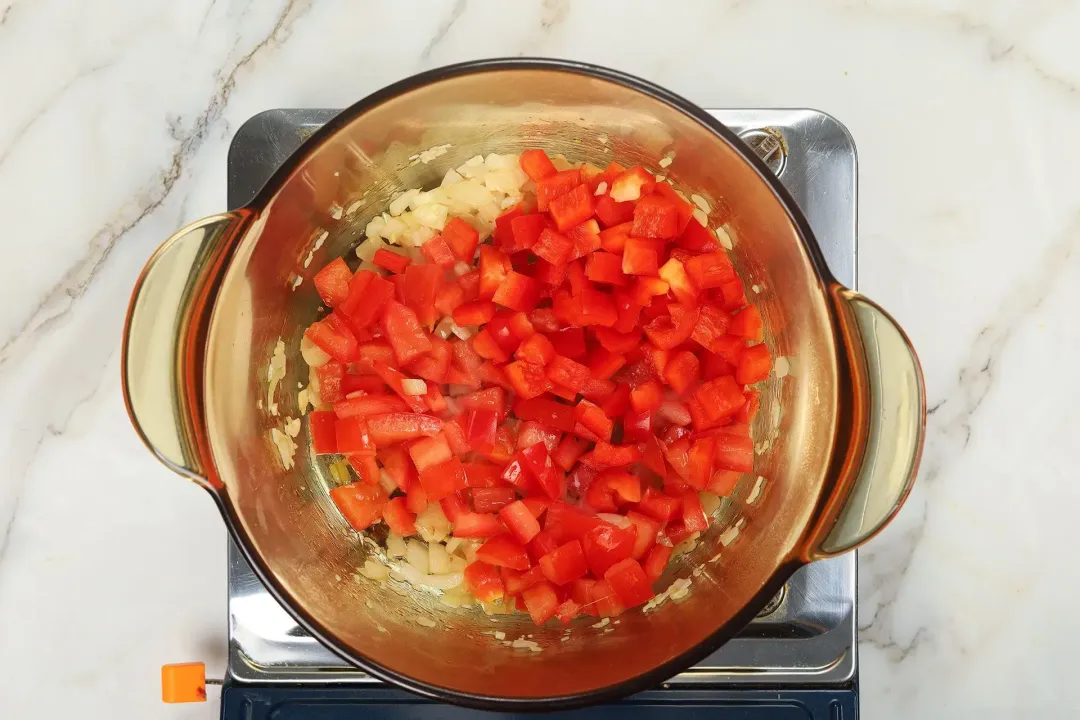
252,702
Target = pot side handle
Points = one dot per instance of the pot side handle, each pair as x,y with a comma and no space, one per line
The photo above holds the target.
887,422
165,340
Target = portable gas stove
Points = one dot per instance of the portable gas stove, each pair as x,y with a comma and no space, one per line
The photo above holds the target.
796,660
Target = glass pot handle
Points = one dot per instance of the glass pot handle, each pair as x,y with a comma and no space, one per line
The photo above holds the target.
165,338
883,429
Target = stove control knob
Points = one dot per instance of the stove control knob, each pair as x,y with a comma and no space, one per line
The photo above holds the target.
184,682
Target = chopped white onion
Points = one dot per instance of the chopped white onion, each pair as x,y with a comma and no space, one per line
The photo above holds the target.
416,554
413,386
438,558
601,189
313,355
619,521
395,546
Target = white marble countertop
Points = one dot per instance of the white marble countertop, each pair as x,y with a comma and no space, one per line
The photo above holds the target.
115,120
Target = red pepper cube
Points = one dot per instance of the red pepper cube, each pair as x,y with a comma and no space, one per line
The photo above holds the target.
697,238
683,371
748,411
683,208
629,582
754,365
477,525
655,216
484,581
404,332
694,517
494,265
572,208
437,252
359,503
646,288
332,282
368,294
474,313
323,428
720,398
549,412
656,561
565,563
605,545
555,186
336,341
399,518
605,267
430,451
527,230
669,332
682,287
537,350
723,482
554,247
528,380
503,234
541,601
710,270
631,184
612,213
443,479
614,238
462,238
449,297
586,238
594,420
504,551
747,324
518,292
607,455
735,453
712,324
536,164
597,308
658,506
331,376
567,373
639,257
520,521
603,363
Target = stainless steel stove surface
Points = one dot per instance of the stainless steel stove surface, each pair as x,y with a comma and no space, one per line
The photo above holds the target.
807,637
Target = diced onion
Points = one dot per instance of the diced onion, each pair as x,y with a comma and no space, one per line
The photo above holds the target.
438,559
313,355
416,554
395,546
619,521
412,386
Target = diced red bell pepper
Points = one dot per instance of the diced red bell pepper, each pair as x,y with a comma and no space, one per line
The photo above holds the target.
617,342
394,379
585,237
748,411
658,506
683,371
605,267
453,506
611,212
655,216
484,581
734,295
546,411
430,451
462,238
501,447
449,297
541,601
474,313
564,564
503,551
503,235
554,186
754,365
323,428
537,350
683,208
567,611
618,402
697,238
629,582
531,432
613,239
542,544
553,247
443,479
477,525
712,325
331,375
520,521
637,426
668,332
527,230
569,342
603,598
335,340
398,517
518,292
398,465
516,582
416,499
487,347
480,426
652,456
481,475
434,366
536,164
605,545
694,517
607,455
645,288
611,489
548,274
728,348
734,453
647,396
361,504
368,293
566,522
639,257
746,323
572,208
332,282
404,333
597,308
594,420
603,363
633,183
353,437
628,309
682,287
720,398
418,287
656,562
723,482
366,467
645,529
700,462
390,260
370,384
568,451
527,379
494,265
710,270
492,500
395,427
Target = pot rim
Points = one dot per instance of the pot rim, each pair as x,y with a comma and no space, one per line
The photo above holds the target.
657,675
